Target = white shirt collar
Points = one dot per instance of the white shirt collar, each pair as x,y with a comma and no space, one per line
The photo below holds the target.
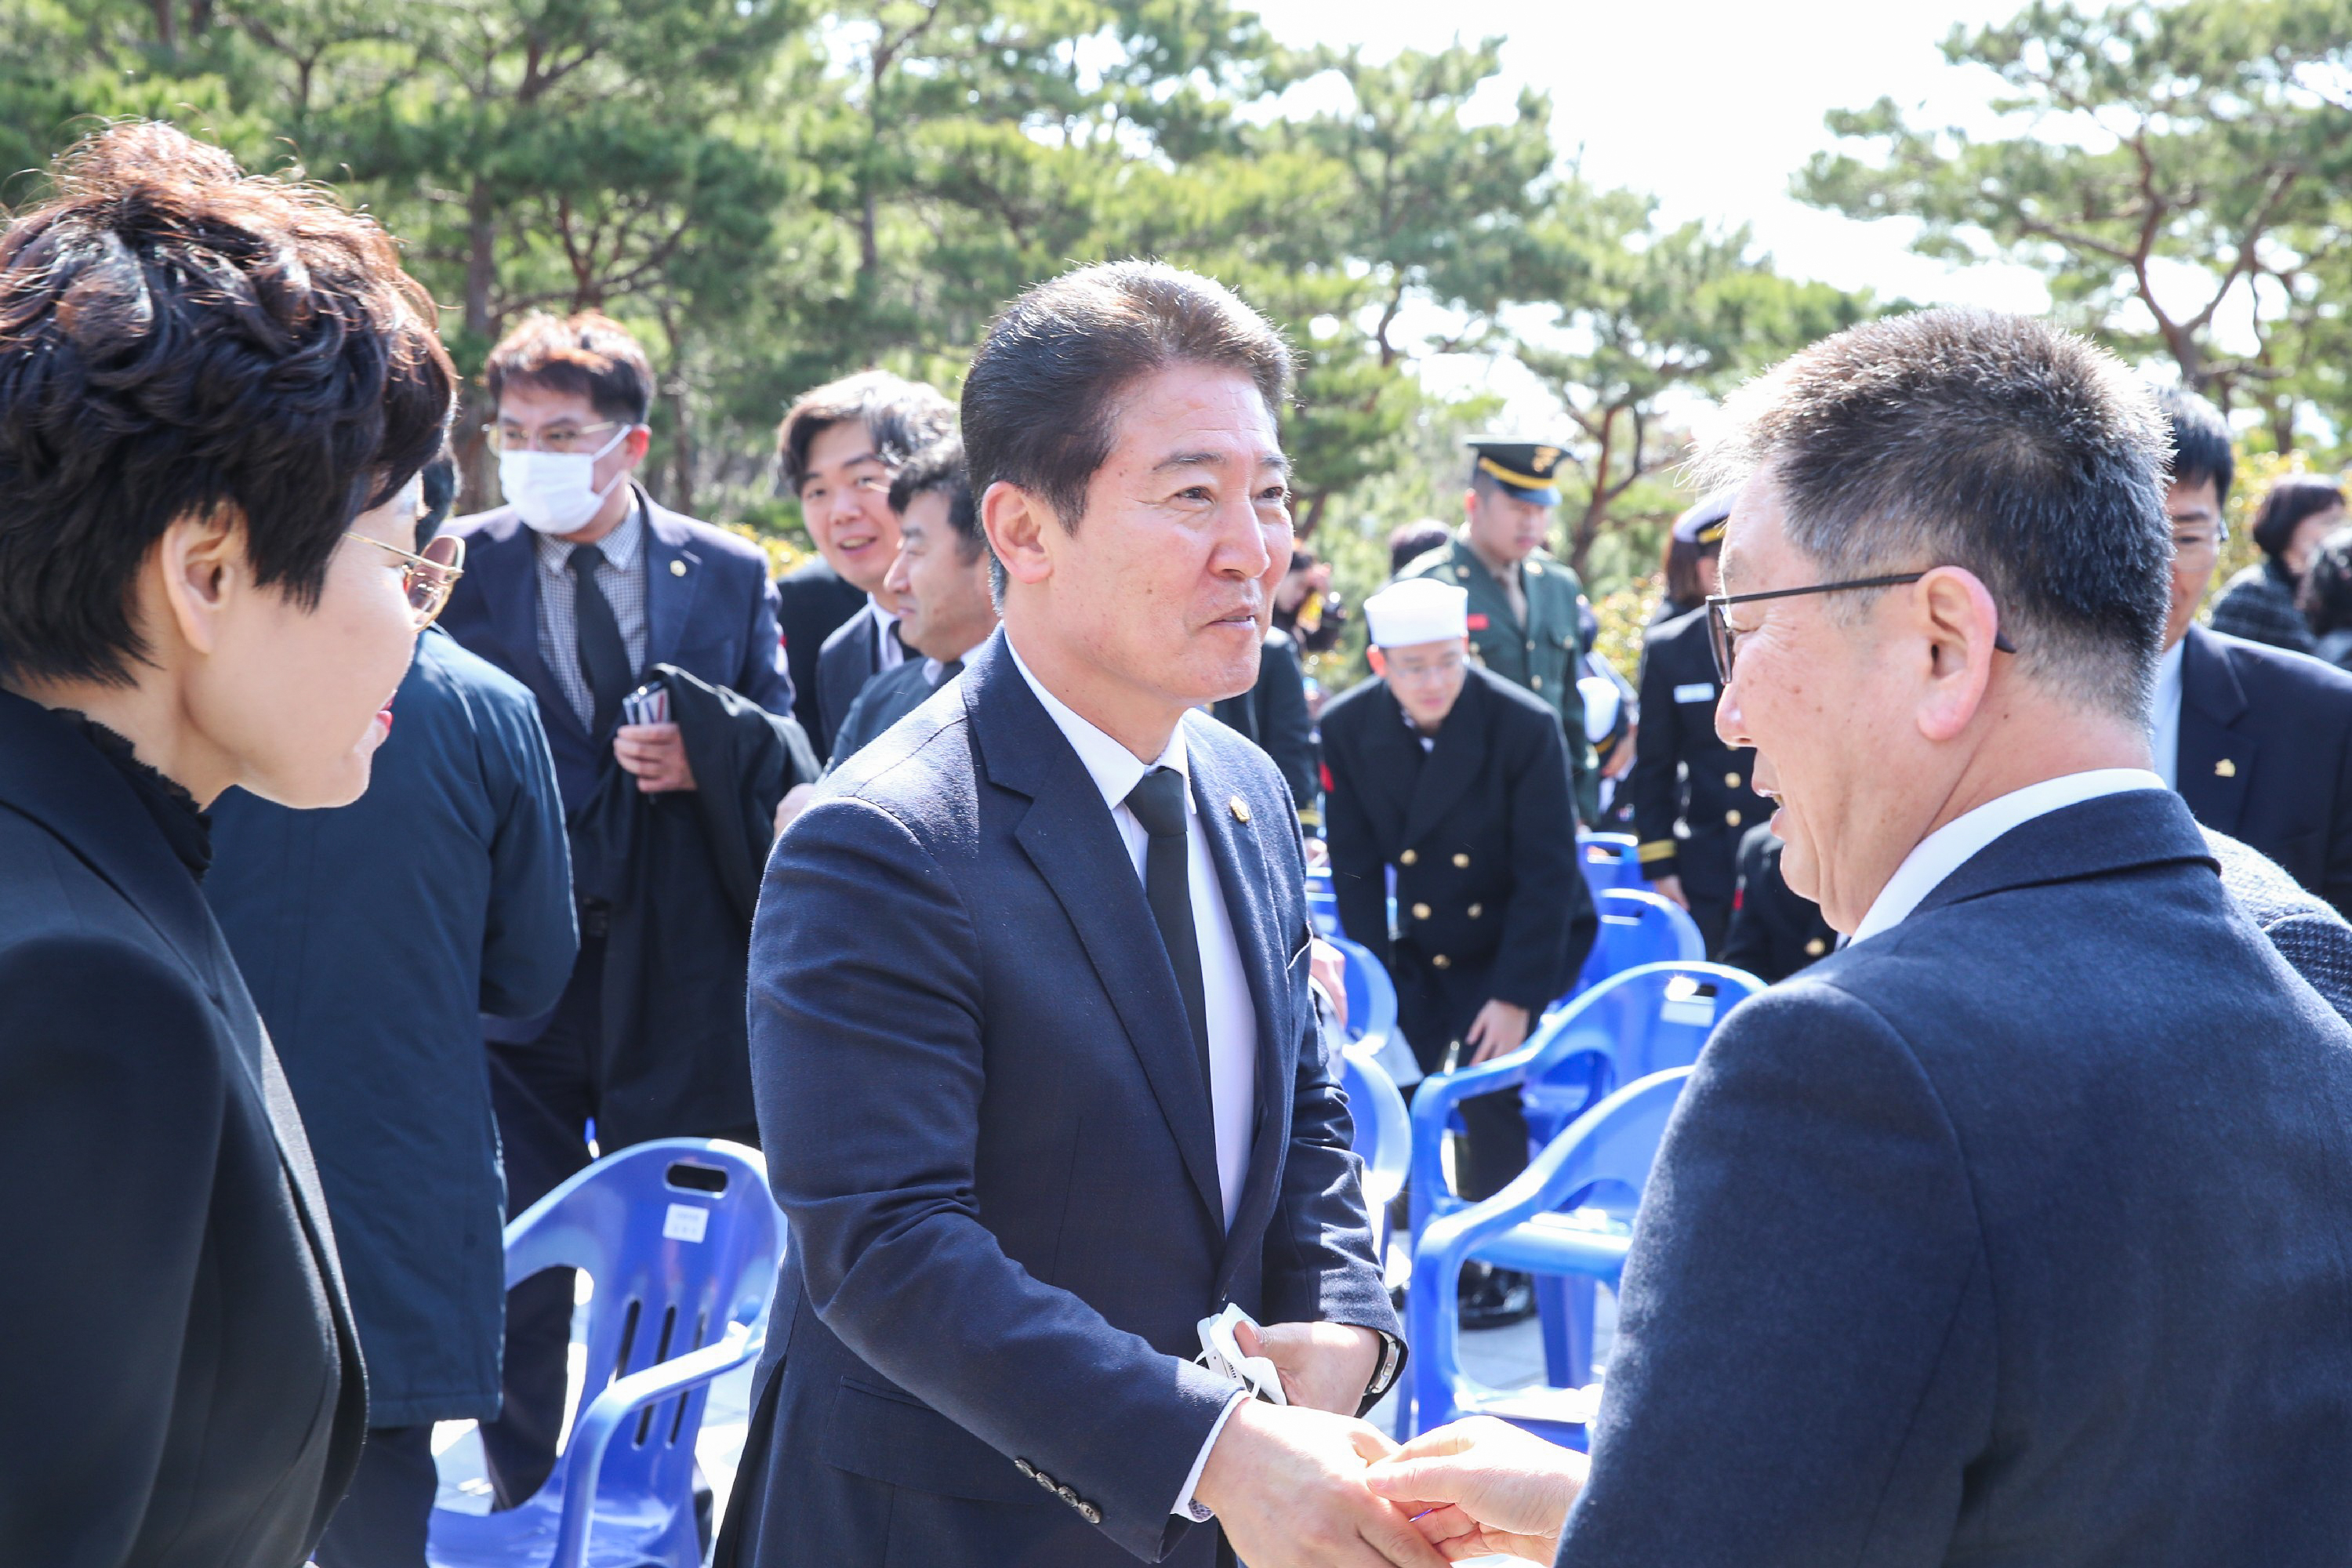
1114,768
620,547
1952,845
2164,717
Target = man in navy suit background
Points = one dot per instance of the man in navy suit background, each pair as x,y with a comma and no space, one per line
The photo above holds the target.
576,587
1038,1076
2012,1231
2257,740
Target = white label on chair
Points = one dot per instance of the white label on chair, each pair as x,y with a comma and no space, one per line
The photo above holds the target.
1699,1010
1696,692
684,1222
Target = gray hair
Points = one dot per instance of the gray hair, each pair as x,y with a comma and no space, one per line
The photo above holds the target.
2000,444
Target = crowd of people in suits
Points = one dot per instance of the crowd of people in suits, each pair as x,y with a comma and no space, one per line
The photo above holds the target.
366,871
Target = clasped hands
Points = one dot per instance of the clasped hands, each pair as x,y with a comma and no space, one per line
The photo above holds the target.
1308,1486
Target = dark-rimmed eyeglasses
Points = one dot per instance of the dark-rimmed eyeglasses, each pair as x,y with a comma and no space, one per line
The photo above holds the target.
425,578
1724,641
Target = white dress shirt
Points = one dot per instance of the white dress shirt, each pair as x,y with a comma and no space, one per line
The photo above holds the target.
2164,734
1224,983
1950,846
889,653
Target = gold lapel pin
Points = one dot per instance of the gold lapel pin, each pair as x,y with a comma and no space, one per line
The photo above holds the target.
1239,807
678,568
2226,769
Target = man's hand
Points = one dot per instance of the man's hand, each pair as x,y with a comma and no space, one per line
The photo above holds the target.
1288,1484
1671,889
1329,969
795,801
1497,1030
657,754
1324,1366
1483,1487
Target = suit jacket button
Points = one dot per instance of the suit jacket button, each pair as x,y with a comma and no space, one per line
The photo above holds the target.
1067,1496
678,568
1025,1468
1409,856
1461,862
1731,818
1090,1513
1440,960
1477,909
1731,781
1043,1479
1421,912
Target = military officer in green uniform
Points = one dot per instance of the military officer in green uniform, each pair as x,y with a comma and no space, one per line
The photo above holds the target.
1523,601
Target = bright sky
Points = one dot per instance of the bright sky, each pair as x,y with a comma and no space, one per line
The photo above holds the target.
1713,105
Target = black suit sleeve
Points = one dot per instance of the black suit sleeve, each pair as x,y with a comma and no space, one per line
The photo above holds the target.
1657,751
110,1111
530,937
1359,870
766,679
1807,1260
1284,728
1548,891
2335,881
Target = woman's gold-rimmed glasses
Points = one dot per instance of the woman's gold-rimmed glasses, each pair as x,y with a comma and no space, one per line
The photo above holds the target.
427,578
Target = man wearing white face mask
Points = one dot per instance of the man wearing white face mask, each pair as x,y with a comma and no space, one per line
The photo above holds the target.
578,586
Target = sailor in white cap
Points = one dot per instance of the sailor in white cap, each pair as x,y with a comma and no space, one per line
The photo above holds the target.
1457,779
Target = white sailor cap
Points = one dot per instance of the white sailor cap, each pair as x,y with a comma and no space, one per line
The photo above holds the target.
1417,610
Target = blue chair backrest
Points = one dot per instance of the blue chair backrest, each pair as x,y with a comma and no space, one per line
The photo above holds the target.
1628,1025
680,1237
1372,995
1639,928
1610,860
1383,1129
1322,907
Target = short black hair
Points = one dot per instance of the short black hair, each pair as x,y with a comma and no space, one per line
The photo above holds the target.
440,484
2290,499
2201,446
1999,444
939,466
1412,541
588,355
903,416
1041,403
180,338
2326,597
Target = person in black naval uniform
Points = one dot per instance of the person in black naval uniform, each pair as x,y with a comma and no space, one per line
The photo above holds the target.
1692,799
1457,778
1775,929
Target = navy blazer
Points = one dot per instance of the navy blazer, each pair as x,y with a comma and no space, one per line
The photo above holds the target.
709,608
2014,1234
986,1122
181,1379
2266,756
849,660
812,601
374,937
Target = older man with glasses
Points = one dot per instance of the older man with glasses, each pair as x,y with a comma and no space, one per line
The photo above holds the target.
2012,1231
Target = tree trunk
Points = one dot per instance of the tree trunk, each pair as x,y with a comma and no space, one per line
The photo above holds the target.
2282,423
167,25
1596,503
1304,528
477,465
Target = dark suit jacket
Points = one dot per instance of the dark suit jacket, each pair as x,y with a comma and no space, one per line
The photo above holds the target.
183,1381
1775,929
811,602
2014,1234
1489,901
2313,939
1273,712
2266,756
709,608
887,699
986,1122
374,938
851,658
1692,802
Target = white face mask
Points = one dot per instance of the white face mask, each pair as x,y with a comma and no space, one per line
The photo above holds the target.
555,492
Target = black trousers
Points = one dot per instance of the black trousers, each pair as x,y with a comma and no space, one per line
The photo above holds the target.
543,1094
382,1521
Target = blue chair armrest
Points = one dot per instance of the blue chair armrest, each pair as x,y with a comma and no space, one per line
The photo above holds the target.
1434,1100
584,1456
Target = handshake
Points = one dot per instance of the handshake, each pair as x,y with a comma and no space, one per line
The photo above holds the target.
1298,1486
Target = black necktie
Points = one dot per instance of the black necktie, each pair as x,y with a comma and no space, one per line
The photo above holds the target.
948,672
1157,802
604,657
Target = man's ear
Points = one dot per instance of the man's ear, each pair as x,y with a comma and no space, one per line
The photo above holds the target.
1954,613
637,444
200,568
1373,657
1016,523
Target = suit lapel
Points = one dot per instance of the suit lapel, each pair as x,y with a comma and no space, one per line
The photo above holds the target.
508,572
1454,762
2214,763
2099,836
1069,836
1244,878
674,573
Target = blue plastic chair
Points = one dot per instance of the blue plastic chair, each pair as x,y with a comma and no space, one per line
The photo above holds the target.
1383,1134
1371,994
1638,928
1322,905
682,1241
1608,1152
1610,860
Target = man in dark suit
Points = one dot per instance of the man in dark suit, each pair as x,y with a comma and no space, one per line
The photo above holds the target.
1693,795
1039,1081
836,451
576,587
1457,779
1775,931
1273,712
811,600
2257,740
1949,1231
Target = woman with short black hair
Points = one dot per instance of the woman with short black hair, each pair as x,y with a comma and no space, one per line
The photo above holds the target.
2259,603
216,393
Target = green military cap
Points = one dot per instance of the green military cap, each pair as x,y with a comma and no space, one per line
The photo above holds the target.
1524,469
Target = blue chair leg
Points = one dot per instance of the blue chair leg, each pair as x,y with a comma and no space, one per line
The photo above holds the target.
1565,1306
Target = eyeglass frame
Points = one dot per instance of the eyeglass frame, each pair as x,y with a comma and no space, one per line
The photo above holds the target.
450,572
496,441
1719,630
